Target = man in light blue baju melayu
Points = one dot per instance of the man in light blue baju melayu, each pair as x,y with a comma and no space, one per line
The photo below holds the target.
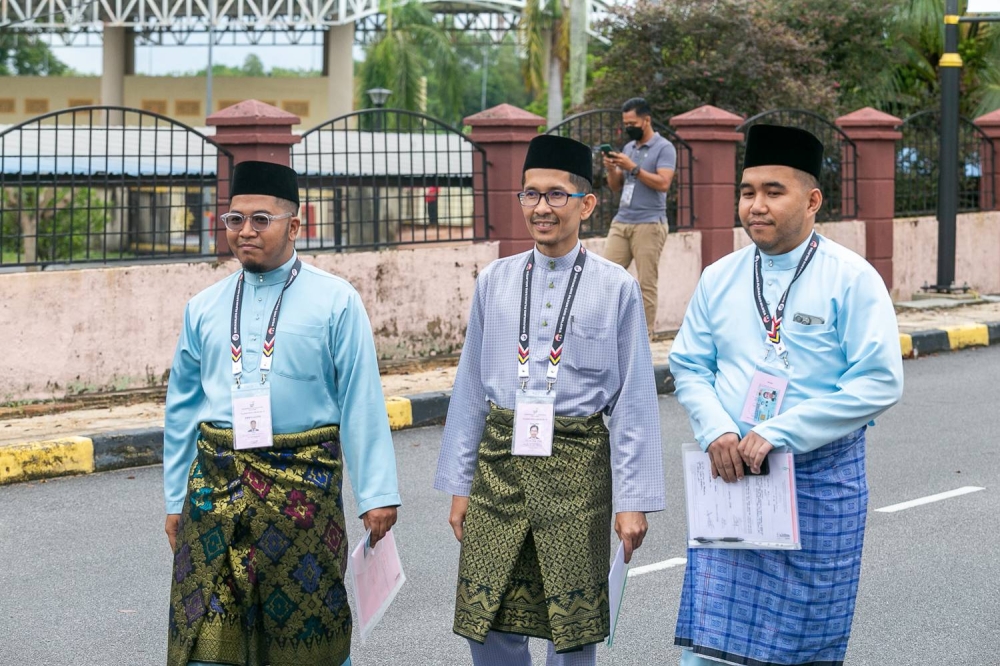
275,376
817,318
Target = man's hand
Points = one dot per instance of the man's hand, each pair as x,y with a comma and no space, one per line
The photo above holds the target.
619,160
725,456
172,527
459,507
379,521
631,528
753,449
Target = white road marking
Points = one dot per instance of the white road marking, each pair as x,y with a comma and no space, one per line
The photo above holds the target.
658,566
930,498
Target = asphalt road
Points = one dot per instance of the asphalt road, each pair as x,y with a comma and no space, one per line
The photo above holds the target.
84,564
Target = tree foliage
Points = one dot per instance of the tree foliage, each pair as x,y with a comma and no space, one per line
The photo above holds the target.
27,56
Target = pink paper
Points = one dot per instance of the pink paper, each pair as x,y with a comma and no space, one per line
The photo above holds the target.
377,575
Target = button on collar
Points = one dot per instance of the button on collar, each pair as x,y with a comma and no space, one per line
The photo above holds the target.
770,263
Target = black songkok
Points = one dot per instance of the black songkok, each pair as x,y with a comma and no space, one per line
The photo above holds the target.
548,151
269,178
769,145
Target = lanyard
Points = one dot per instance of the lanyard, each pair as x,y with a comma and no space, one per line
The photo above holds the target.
237,347
773,325
524,339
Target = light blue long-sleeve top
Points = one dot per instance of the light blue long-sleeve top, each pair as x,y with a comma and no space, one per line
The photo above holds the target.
845,371
324,371
606,367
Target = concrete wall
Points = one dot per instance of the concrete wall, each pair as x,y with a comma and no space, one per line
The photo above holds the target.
115,328
977,253
183,98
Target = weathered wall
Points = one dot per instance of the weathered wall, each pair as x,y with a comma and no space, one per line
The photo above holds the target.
115,328
977,253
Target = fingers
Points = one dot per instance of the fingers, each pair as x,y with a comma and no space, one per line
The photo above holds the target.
628,550
737,463
378,528
715,470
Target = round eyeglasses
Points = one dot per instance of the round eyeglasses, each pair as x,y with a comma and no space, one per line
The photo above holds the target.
258,221
554,198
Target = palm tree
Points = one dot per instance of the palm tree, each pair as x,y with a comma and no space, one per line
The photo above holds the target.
545,39
402,56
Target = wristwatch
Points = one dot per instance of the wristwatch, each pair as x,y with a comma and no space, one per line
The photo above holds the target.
634,172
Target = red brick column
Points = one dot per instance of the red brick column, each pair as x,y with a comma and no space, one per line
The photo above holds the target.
990,124
250,130
504,132
710,132
875,135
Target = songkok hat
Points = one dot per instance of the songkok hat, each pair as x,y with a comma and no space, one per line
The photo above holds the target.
776,145
269,178
549,151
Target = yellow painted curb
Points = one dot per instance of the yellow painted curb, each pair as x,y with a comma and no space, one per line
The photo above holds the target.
906,344
39,460
969,335
400,412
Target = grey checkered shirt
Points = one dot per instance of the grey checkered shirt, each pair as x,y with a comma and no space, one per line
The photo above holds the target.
606,367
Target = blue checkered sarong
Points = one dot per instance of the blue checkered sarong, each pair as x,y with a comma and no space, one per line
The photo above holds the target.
763,607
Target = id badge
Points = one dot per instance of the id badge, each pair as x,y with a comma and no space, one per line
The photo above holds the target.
627,192
534,423
252,417
766,393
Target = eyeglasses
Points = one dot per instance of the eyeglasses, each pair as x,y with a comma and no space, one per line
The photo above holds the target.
258,221
554,198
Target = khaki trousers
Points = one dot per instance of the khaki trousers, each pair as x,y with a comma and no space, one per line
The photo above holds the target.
643,243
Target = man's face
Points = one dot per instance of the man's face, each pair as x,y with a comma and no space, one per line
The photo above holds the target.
534,431
555,230
778,207
631,119
261,251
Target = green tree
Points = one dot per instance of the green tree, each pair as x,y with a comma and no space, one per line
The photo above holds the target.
25,55
406,52
729,53
545,37
49,223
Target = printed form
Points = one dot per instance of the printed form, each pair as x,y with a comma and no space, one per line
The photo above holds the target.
757,512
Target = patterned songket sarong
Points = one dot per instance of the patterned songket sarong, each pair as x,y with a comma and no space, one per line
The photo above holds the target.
259,566
764,607
536,544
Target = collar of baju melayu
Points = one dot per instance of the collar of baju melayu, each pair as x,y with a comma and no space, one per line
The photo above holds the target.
277,276
786,261
563,263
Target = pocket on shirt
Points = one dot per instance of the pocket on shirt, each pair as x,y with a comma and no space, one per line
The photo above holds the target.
589,346
299,351
814,338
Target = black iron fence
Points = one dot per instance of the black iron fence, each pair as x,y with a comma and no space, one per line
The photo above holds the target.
839,177
102,184
386,177
917,161
601,126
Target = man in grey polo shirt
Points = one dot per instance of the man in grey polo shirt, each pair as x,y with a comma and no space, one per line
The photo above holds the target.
642,172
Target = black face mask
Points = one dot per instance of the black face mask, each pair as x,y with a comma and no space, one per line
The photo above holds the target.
634,133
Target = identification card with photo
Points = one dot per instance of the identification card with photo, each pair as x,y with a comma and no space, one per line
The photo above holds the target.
764,397
534,423
252,417
627,191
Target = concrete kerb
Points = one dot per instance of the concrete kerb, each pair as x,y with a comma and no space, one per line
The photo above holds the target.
144,446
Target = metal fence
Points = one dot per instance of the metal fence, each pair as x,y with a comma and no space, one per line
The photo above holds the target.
839,177
102,184
918,159
386,177
605,126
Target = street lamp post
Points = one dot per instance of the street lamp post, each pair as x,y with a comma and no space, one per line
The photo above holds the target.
379,96
951,69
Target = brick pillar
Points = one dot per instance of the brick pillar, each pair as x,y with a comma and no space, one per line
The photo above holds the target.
710,132
990,124
504,132
250,130
875,135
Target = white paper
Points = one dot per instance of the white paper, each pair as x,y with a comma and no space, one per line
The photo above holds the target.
758,512
377,576
252,417
617,578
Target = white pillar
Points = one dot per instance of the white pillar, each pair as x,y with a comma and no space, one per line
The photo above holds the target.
338,43
113,71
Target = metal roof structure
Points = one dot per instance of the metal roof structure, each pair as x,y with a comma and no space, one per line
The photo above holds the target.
70,17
